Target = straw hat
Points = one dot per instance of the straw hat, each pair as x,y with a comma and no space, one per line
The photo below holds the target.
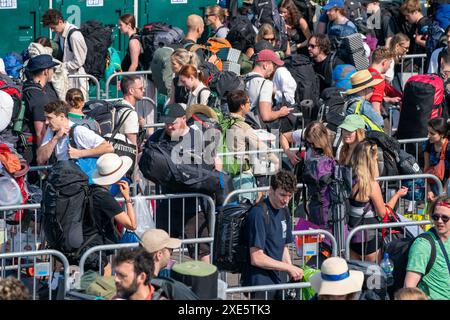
335,279
111,168
361,80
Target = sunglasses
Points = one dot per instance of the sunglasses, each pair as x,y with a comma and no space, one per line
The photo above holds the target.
312,46
269,39
436,217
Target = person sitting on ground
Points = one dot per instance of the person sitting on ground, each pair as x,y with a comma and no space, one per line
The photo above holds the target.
215,17
160,245
133,273
56,139
75,99
410,294
358,99
436,283
270,259
336,282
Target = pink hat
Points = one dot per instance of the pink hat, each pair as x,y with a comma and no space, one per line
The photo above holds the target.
269,55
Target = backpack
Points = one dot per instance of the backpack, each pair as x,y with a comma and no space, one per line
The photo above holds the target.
101,111
14,89
388,152
398,252
103,286
350,49
241,35
436,38
230,251
220,85
98,38
155,35
375,280
66,200
113,64
171,289
442,15
308,83
13,64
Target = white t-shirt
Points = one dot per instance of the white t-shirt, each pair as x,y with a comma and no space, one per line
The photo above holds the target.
259,87
195,99
434,63
284,83
389,75
131,124
83,137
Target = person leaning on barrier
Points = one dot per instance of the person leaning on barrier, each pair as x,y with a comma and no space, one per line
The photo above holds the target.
436,283
56,139
366,202
133,273
160,245
335,281
268,231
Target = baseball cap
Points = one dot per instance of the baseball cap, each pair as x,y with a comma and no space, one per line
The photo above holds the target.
269,55
333,4
171,112
158,239
352,122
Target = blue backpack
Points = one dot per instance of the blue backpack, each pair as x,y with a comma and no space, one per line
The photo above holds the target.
436,37
13,63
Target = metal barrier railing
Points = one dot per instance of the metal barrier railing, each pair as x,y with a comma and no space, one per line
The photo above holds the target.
404,143
129,73
119,246
377,236
268,288
412,58
90,77
41,269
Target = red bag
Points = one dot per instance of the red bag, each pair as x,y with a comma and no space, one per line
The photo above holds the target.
439,169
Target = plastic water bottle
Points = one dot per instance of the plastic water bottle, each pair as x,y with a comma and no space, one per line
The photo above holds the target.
388,267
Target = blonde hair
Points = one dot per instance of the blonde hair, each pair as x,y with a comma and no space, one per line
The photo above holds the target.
365,168
398,38
264,30
75,98
217,11
345,155
410,294
318,133
183,57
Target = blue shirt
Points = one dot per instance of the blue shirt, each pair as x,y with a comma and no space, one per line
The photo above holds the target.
366,109
271,235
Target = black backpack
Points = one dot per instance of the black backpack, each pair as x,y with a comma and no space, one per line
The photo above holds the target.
98,38
155,35
220,85
171,289
66,199
231,252
388,152
398,252
241,35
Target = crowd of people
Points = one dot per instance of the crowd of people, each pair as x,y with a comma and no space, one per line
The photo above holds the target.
293,63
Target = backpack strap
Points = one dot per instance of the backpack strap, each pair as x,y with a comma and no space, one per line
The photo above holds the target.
122,118
444,252
200,94
69,35
72,136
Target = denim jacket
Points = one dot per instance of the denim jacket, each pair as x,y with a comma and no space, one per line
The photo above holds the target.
366,110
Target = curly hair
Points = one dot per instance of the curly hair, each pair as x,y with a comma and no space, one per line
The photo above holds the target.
294,13
285,180
51,17
141,260
13,289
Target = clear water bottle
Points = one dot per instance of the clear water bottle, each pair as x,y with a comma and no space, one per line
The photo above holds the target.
388,267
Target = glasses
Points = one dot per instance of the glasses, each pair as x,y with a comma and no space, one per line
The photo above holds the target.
269,39
312,46
436,217
209,15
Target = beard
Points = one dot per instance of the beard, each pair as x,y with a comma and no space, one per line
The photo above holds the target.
126,293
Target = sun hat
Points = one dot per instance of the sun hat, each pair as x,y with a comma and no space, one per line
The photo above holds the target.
111,168
352,122
335,279
361,80
158,239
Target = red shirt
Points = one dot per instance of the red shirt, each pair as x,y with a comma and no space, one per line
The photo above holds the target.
378,93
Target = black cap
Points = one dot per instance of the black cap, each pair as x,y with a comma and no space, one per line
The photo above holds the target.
171,112
41,62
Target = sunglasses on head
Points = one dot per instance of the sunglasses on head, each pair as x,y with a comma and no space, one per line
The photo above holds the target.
436,217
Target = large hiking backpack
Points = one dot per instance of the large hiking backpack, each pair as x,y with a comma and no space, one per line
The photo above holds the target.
388,152
13,64
422,100
98,38
14,89
101,111
375,280
221,84
155,35
436,37
308,83
241,35
398,252
230,250
171,289
65,202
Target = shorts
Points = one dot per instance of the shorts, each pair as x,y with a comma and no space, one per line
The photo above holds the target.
188,231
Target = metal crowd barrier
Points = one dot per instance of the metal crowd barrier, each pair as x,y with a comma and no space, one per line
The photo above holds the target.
412,58
90,77
43,269
417,144
377,236
119,74
289,290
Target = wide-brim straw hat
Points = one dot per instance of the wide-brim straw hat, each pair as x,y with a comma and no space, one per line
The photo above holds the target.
361,80
111,168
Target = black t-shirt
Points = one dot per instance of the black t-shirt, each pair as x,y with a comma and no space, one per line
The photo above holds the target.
126,62
388,28
325,71
105,209
181,93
